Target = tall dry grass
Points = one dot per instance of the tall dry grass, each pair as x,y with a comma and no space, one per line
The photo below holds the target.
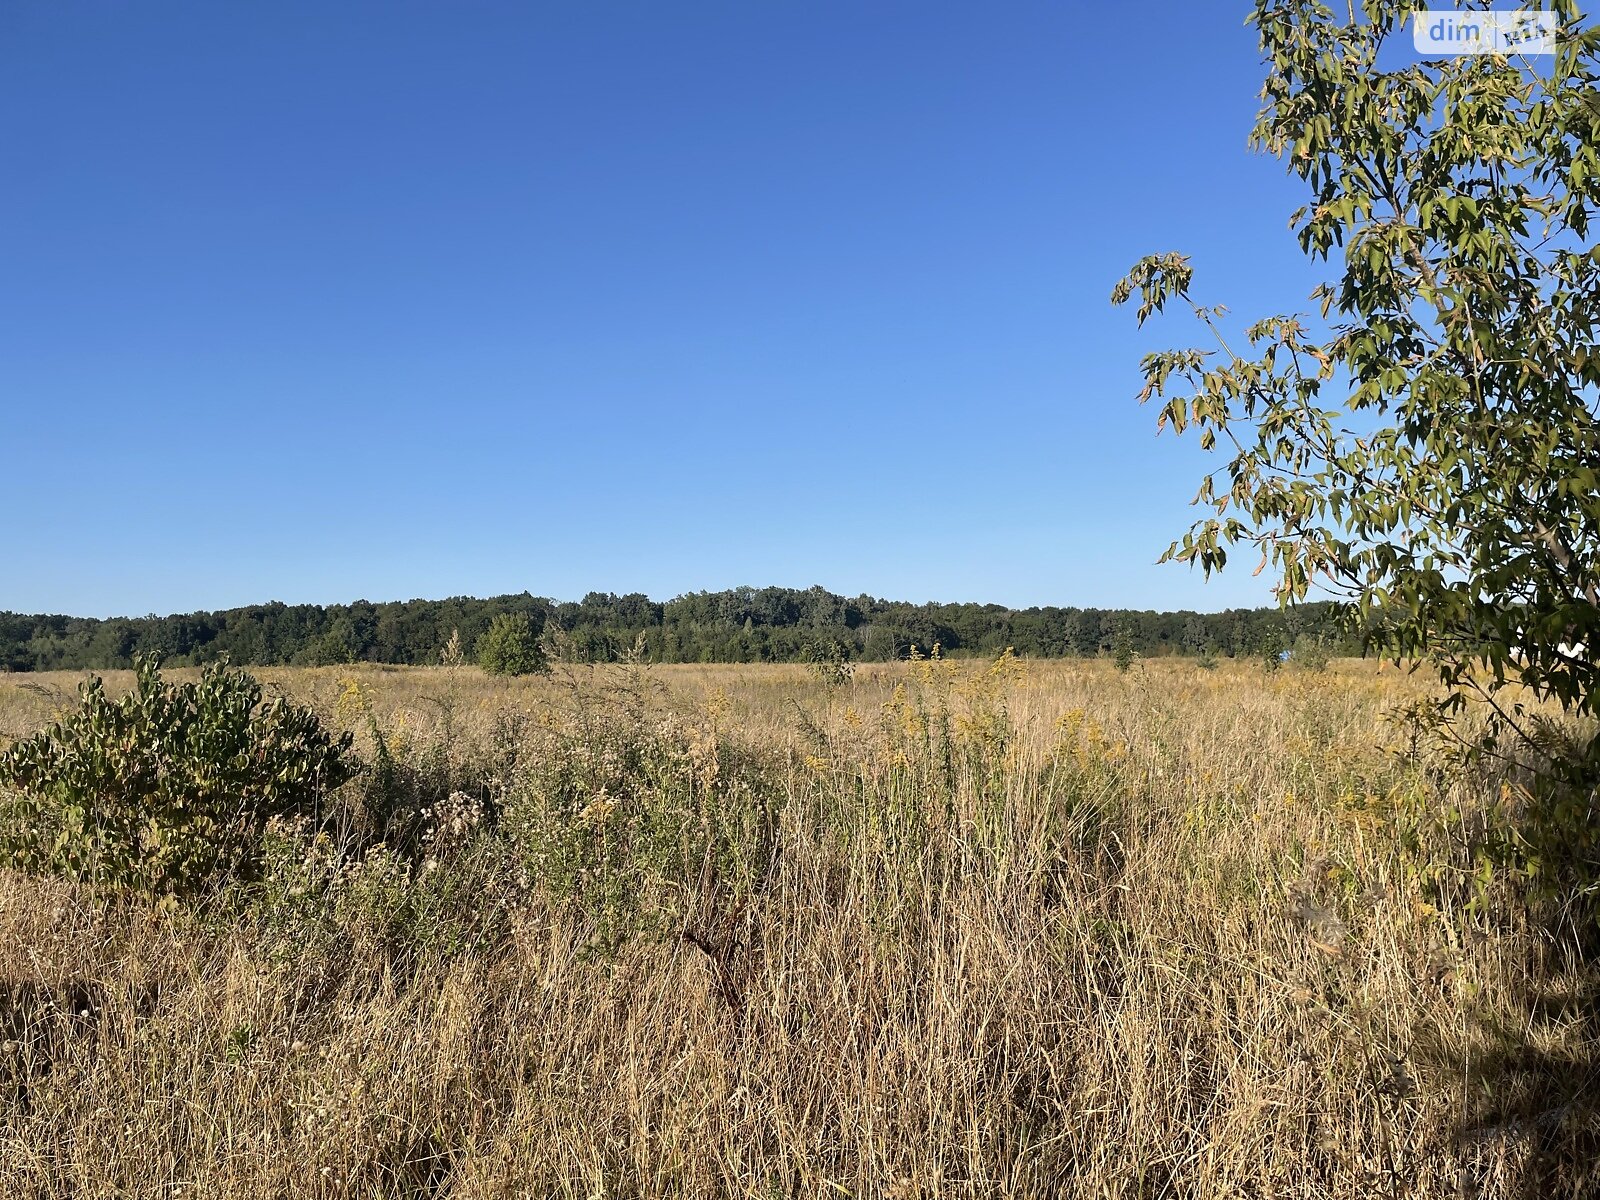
950,930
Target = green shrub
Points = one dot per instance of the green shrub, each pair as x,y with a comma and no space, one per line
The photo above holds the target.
510,647
167,789
1311,653
1273,648
1122,652
830,662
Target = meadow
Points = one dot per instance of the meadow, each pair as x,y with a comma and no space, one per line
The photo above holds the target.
945,929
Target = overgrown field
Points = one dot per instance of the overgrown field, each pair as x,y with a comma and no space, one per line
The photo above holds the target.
976,929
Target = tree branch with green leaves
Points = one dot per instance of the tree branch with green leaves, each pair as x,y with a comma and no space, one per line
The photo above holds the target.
1426,446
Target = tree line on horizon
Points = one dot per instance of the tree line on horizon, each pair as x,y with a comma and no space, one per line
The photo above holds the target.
738,625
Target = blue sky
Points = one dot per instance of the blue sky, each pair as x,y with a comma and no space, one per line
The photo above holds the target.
313,302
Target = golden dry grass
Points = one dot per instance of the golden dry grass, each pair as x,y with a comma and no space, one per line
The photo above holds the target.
1007,930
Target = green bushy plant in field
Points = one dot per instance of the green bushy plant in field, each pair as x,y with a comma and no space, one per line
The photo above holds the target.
1311,653
1122,652
829,662
510,647
1273,647
167,789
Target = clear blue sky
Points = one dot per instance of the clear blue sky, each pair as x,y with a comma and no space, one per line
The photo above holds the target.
318,301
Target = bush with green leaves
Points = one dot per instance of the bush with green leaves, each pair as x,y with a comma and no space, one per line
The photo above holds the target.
168,789
1122,652
511,647
1311,652
830,662
1273,648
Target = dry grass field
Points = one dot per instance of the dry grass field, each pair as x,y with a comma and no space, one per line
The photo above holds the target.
947,930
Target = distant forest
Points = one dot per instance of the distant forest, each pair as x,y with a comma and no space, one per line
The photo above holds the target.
740,625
